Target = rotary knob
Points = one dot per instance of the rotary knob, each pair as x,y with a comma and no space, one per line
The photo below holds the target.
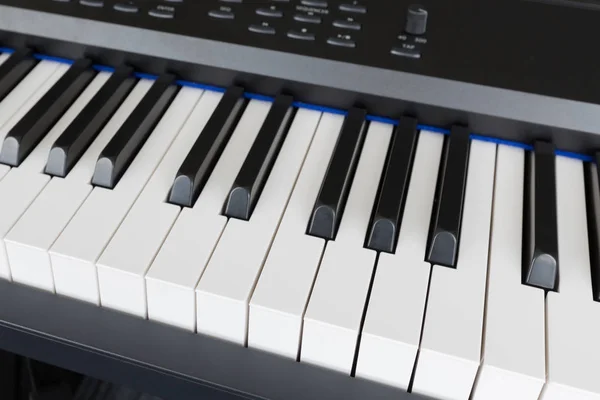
416,20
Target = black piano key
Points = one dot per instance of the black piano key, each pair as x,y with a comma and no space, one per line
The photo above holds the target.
257,166
452,182
329,206
592,191
200,161
14,69
75,140
27,133
540,247
385,224
131,136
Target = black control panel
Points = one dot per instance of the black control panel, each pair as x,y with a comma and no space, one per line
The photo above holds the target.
514,69
529,46
345,24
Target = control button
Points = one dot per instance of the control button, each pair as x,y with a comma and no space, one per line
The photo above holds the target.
314,3
220,14
353,8
347,24
402,52
268,12
92,3
341,42
125,7
311,19
416,20
265,30
301,35
162,13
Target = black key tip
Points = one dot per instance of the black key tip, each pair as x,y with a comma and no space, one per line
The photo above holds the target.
443,249
57,162
104,173
181,192
543,272
322,223
238,204
10,152
381,237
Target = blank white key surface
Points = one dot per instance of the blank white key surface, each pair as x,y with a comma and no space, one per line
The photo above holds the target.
514,365
230,277
335,310
31,237
450,350
25,89
28,242
25,182
277,326
283,289
19,189
573,325
333,316
77,249
392,328
127,257
172,278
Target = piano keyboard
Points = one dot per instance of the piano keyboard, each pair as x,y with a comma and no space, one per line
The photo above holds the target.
445,263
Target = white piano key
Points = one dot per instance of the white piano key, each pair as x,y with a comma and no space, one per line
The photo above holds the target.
172,278
451,344
19,189
573,325
392,328
334,313
281,294
75,252
26,89
513,365
30,239
225,288
124,262
276,326
24,183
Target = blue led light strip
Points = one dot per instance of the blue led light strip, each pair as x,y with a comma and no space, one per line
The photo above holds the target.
297,104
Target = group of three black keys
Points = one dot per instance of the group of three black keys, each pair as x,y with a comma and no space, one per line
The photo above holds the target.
540,251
